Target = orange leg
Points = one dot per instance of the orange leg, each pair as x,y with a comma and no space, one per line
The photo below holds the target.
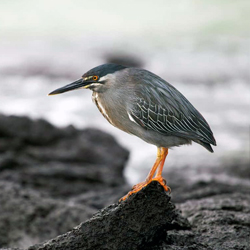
161,156
158,176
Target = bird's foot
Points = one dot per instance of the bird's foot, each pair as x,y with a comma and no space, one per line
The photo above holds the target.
140,185
136,188
163,182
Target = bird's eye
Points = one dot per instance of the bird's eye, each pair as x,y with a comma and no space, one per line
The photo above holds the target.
95,78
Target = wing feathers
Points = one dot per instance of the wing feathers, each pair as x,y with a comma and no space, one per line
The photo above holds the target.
169,121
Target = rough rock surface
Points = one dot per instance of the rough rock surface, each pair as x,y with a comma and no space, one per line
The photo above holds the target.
137,223
52,180
59,162
27,217
44,170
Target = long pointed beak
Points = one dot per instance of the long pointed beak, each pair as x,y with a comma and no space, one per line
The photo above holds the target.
74,85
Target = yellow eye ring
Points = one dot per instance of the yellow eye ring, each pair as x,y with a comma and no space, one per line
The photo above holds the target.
95,78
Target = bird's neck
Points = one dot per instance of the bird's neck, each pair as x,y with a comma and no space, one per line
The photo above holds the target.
101,106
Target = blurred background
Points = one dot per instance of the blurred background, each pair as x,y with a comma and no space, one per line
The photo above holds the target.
200,47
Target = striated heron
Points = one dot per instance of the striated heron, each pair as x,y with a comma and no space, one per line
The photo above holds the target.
143,104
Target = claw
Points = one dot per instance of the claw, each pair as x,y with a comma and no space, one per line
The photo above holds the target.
163,182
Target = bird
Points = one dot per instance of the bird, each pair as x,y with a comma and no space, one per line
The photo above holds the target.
143,104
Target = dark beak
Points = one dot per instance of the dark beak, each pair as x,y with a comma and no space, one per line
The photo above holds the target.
74,85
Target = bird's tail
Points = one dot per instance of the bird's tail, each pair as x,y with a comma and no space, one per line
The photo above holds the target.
205,145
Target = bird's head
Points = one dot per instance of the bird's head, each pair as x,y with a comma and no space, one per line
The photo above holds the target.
95,79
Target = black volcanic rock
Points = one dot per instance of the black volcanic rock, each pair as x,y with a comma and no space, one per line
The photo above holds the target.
221,221
52,180
148,220
140,222
45,170
59,162
27,217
